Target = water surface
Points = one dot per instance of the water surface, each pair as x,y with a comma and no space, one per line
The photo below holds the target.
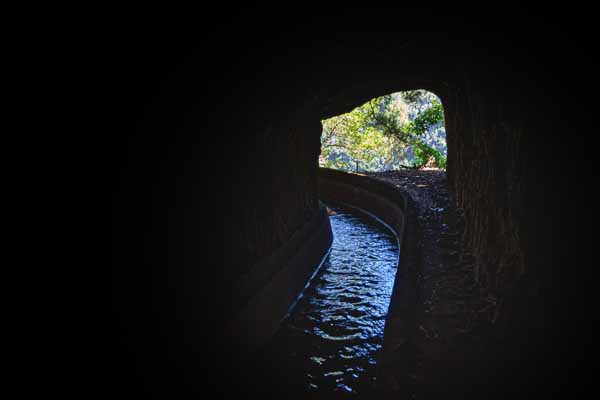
330,340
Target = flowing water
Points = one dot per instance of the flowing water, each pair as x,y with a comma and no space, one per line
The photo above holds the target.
330,341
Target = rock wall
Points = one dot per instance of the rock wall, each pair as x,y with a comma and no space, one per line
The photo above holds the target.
485,172
263,296
277,184
496,150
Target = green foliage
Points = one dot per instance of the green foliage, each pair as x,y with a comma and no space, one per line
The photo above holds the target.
425,154
413,96
429,117
383,132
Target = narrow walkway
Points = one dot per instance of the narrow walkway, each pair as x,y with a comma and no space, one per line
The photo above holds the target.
453,316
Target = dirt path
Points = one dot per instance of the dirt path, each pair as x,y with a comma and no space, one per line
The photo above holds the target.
452,314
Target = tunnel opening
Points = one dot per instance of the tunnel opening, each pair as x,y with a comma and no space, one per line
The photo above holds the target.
401,130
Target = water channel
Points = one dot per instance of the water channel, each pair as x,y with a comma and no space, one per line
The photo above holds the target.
330,340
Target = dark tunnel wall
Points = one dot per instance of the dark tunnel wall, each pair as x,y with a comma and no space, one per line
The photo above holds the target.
221,170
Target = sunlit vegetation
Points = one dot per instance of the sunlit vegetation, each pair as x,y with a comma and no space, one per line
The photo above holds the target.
398,130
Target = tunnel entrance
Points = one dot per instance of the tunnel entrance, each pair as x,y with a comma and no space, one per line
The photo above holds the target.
398,130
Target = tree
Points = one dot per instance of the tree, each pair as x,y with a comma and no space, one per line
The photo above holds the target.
385,132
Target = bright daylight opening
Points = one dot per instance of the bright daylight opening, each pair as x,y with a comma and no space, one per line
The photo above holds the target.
396,131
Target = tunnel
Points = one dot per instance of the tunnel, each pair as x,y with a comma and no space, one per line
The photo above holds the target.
218,172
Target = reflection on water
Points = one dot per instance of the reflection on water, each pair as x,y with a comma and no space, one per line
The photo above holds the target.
331,339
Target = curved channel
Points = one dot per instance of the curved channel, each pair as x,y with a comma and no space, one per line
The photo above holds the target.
330,340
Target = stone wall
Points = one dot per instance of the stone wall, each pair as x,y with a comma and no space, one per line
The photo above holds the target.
278,191
488,160
263,296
